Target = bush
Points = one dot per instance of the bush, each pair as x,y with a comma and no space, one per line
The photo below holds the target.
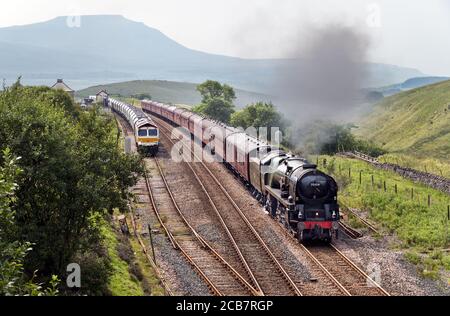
72,169
413,257
416,225
142,96
95,272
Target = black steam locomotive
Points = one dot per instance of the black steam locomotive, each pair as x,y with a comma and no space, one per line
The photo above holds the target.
303,198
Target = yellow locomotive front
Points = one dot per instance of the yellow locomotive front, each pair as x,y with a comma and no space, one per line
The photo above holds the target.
147,139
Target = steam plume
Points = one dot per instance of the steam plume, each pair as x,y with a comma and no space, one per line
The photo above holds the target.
325,76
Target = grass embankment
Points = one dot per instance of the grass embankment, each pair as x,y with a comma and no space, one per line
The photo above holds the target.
131,274
415,123
421,229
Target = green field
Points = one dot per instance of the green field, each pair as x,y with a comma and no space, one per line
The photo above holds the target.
415,123
400,207
167,91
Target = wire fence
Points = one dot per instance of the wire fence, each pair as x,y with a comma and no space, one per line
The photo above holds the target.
374,180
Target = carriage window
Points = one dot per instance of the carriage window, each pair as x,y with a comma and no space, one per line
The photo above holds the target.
142,132
152,132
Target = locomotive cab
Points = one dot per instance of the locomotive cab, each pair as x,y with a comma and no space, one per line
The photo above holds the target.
147,138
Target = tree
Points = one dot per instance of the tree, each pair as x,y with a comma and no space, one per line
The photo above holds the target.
217,109
259,115
72,168
12,253
212,89
217,100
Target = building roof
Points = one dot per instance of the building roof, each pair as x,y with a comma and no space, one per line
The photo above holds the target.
102,91
62,86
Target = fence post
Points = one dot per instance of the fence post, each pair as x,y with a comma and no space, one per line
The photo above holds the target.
446,226
151,244
350,173
360,177
412,193
384,185
396,188
429,200
373,181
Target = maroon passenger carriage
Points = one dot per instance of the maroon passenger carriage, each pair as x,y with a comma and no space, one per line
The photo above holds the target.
293,190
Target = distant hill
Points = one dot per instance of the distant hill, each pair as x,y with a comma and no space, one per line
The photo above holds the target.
409,84
415,122
128,49
167,91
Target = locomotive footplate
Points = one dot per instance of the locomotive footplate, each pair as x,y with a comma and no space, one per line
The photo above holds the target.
277,193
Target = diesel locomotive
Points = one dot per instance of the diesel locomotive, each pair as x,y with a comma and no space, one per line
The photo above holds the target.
145,131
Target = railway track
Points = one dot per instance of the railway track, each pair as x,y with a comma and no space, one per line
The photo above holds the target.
355,281
329,263
221,278
268,275
343,272
369,225
126,131
349,231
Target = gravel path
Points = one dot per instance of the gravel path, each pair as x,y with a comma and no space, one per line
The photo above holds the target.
397,275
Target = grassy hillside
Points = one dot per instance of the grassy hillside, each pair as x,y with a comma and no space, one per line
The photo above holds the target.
409,84
421,229
167,91
415,122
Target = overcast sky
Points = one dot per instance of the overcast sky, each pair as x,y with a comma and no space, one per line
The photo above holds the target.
413,33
